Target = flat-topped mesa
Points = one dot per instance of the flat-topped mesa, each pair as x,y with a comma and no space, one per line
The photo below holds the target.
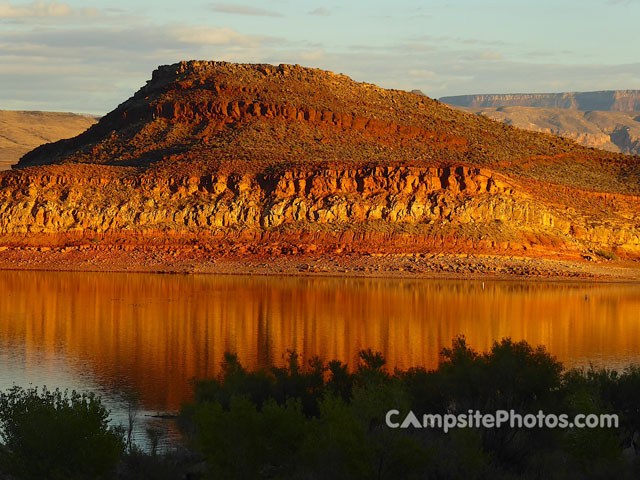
259,152
606,100
209,96
205,113
207,68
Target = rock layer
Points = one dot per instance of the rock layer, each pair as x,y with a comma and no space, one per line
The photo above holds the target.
424,209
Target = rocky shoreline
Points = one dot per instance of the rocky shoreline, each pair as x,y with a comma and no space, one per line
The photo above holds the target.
198,259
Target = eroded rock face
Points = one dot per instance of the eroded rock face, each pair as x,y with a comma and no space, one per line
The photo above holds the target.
247,152
467,204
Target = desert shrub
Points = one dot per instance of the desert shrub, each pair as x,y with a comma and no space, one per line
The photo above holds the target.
244,443
172,464
321,420
607,255
56,435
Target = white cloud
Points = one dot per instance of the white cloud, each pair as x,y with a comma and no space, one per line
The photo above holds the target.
235,9
421,73
491,55
310,57
205,35
42,9
105,42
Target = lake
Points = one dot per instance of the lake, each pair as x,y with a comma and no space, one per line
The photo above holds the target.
152,333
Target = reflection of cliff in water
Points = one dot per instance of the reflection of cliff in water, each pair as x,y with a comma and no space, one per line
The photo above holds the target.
155,332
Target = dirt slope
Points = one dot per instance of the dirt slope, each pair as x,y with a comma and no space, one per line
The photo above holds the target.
21,132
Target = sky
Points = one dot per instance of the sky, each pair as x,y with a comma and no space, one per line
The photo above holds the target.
89,56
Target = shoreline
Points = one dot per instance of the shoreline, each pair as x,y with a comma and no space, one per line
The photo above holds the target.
434,266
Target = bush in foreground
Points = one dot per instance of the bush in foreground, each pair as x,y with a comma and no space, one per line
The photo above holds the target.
56,435
328,421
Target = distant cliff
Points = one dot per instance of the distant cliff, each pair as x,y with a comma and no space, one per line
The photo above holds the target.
612,131
610,100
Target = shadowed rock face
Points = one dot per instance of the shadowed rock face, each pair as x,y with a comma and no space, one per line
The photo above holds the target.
255,152
612,100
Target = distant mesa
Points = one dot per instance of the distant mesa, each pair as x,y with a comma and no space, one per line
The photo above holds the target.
607,100
603,120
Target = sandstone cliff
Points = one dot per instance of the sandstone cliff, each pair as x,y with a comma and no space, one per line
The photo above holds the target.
258,154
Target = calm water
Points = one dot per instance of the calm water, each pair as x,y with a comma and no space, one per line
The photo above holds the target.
113,333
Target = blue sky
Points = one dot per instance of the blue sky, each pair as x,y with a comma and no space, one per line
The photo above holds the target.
88,56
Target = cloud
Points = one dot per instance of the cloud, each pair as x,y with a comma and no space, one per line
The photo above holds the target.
310,57
92,68
320,11
452,40
81,42
93,64
242,10
489,55
205,35
421,73
43,10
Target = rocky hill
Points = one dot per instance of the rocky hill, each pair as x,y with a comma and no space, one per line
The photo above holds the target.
608,100
21,132
612,131
260,159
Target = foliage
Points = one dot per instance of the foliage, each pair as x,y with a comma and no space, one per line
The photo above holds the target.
56,435
170,465
328,421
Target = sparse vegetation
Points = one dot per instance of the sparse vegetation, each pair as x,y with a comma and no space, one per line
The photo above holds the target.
607,255
200,117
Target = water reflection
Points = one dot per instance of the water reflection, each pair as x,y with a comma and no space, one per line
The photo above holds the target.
153,333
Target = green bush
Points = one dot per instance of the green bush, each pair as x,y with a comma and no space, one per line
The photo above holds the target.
56,435
328,421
